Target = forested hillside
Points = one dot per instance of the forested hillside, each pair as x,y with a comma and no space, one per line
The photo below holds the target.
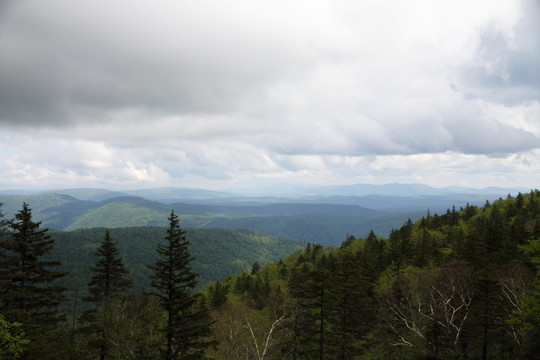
461,285
320,219
218,252
464,284
322,223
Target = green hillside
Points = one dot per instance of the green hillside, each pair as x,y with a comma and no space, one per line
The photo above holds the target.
461,285
327,224
122,212
464,284
218,252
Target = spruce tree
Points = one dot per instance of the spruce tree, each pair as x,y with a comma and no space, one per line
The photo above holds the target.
30,294
304,332
173,281
351,296
109,277
109,280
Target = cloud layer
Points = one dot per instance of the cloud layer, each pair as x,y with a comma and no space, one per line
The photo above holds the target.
140,93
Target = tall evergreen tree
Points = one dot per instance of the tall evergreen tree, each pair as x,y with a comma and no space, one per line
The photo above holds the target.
353,306
172,281
303,339
29,294
529,315
108,281
109,277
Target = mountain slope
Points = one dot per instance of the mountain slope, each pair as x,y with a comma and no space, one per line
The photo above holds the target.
218,252
325,220
468,281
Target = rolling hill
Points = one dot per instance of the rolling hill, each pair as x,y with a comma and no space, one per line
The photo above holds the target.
317,217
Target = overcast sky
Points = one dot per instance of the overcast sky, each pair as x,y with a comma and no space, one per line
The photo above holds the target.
218,94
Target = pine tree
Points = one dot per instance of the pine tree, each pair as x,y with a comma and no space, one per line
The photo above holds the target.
373,255
109,280
29,294
172,281
302,342
353,309
217,294
529,315
309,285
109,273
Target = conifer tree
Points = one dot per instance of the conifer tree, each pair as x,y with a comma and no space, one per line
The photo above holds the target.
217,295
108,281
529,315
28,294
353,307
172,281
302,342
109,277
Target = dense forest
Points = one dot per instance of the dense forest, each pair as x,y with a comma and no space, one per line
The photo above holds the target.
218,253
464,284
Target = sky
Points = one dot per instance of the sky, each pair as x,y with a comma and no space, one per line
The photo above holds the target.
133,94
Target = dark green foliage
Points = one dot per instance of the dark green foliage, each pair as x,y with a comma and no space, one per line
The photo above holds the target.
218,253
372,257
109,277
244,283
460,285
217,294
30,292
131,326
108,281
303,341
456,286
255,268
352,310
529,316
172,282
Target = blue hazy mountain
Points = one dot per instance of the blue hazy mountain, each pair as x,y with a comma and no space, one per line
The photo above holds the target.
323,214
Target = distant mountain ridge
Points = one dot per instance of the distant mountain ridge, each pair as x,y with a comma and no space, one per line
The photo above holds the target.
172,194
392,189
324,216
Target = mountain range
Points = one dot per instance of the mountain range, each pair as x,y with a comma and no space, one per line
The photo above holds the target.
321,214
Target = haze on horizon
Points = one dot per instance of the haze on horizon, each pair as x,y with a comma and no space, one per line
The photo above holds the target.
139,94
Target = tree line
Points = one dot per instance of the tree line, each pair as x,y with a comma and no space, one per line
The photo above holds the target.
167,322
464,284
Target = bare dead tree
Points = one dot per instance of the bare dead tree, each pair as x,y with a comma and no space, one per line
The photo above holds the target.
515,281
420,299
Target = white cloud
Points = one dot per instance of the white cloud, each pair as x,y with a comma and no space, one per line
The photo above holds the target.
179,92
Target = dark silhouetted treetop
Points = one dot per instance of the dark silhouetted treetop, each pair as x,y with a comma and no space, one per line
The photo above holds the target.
173,281
30,293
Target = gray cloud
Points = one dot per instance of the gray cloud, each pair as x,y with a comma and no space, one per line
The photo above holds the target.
507,69
186,91
478,136
80,62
